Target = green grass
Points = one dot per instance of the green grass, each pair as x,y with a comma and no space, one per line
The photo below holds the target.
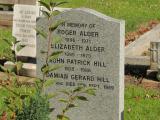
4,48
140,105
4,93
134,12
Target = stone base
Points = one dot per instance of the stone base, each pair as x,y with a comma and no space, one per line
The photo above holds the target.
137,60
28,69
152,74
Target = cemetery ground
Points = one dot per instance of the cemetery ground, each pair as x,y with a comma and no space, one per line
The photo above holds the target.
140,102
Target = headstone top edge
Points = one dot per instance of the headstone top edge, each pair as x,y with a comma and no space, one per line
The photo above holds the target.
94,12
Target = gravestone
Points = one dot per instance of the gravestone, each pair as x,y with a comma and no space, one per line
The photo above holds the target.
24,24
93,56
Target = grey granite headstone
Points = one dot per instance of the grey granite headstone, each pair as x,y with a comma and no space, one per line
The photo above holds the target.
93,56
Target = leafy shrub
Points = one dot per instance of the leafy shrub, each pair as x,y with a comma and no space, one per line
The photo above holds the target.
37,109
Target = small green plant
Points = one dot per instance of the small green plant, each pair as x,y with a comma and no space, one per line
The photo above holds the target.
17,65
49,13
78,94
10,81
6,54
36,109
72,95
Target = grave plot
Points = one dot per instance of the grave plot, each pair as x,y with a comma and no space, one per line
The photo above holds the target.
93,56
139,49
143,53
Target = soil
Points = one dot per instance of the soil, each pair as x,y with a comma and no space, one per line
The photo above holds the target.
22,80
4,26
143,82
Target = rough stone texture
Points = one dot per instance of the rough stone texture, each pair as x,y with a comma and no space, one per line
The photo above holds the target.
28,70
142,44
107,77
